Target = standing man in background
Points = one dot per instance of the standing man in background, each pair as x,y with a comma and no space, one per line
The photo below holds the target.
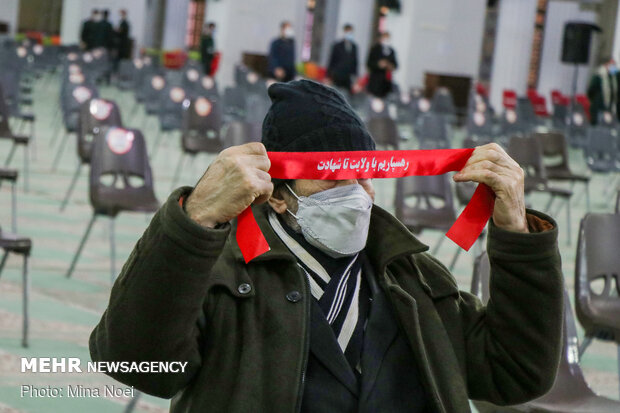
381,63
207,47
282,54
603,90
342,67
122,44
88,29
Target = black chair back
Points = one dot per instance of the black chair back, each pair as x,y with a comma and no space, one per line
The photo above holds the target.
94,115
384,131
433,132
424,202
202,126
120,174
528,154
601,150
597,276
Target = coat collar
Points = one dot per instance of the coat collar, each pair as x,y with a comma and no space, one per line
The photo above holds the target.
390,239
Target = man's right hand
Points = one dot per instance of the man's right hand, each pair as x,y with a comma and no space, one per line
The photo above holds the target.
235,180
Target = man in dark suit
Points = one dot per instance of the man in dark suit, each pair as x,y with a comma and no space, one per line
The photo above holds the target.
207,47
342,67
282,54
122,33
603,90
88,29
381,63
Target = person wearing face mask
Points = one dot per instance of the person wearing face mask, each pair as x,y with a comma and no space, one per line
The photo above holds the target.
347,311
207,47
342,66
281,59
603,90
381,63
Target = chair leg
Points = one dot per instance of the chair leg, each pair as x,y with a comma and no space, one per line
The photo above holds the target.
59,151
14,208
549,203
4,258
568,230
587,340
132,403
81,246
76,175
11,153
26,168
177,171
619,363
25,302
112,252
156,145
438,245
457,253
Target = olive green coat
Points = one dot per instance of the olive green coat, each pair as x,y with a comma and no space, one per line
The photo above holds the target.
182,296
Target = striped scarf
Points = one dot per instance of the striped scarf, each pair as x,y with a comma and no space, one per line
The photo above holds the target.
343,296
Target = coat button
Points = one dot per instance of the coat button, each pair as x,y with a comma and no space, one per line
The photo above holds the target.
293,296
244,288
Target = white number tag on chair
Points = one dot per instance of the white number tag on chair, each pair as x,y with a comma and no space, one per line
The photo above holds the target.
608,118
405,98
82,94
377,105
207,82
76,78
158,82
37,49
481,107
148,61
137,63
22,51
72,57
100,109
252,78
119,140
177,94
511,116
479,118
578,119
192,75
87,57
74,68
203,107
98,53
424,105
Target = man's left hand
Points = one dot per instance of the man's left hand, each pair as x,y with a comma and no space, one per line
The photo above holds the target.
491,165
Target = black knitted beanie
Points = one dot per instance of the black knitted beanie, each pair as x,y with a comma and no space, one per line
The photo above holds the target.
306,116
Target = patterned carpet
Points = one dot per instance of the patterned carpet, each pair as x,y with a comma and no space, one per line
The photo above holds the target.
64,311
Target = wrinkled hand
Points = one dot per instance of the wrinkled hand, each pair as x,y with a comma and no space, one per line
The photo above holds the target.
235,180
491,165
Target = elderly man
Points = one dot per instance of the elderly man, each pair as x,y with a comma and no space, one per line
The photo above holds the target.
358,318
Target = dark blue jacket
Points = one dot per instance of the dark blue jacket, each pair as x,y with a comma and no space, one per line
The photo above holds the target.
282,54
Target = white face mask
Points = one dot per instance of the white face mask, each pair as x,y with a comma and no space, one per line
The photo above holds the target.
336,220
289,32
348,36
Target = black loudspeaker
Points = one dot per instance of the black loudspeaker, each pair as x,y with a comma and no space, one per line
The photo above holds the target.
576,43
